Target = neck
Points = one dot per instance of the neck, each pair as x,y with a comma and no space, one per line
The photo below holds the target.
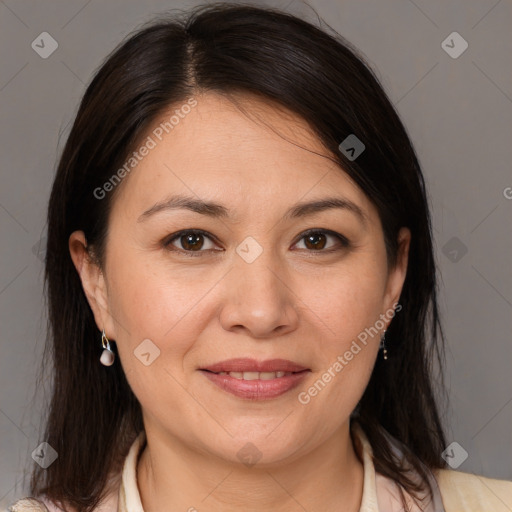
173,476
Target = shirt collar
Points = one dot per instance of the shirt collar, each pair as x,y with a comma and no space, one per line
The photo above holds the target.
129,497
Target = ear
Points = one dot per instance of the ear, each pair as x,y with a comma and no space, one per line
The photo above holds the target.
396,276
93,282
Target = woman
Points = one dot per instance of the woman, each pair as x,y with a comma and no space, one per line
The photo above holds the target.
239,208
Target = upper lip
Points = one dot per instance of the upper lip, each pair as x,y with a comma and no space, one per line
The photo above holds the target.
252,365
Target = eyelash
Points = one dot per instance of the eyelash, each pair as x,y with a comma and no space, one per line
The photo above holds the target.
167,243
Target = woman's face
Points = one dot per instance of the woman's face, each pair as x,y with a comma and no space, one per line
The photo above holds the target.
252,285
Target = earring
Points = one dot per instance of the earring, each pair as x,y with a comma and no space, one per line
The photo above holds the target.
107,356
383,344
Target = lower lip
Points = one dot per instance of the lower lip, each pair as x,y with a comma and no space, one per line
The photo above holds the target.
256,389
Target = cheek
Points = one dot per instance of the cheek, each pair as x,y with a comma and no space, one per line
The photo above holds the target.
346,351
151,303
347,302
154,315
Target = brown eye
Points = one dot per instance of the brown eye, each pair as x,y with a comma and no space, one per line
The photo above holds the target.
189,241
192,241
318,240
315,241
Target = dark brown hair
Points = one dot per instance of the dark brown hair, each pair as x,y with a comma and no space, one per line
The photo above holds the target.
94,416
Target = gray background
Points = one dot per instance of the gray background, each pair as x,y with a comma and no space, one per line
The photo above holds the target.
458,113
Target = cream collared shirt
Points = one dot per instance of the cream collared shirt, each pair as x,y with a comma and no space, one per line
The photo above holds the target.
388,498
454,491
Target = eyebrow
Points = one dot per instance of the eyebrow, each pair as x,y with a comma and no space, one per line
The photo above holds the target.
216,210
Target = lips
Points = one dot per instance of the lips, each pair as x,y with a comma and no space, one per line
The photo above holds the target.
247,365
256,380
256,389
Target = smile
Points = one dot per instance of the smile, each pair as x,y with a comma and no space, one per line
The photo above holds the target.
256,385
256,375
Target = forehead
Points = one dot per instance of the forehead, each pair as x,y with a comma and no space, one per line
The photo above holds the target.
233,151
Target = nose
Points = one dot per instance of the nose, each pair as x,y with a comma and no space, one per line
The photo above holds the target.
259,298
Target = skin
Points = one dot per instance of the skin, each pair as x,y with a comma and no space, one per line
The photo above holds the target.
293,302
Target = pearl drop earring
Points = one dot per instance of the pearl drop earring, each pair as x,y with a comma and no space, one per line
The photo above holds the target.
107,356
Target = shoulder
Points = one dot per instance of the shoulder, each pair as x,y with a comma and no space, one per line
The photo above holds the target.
468,492
43,504
39,504
27,505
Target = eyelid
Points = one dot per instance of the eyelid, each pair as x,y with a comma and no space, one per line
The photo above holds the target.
344,241
167,242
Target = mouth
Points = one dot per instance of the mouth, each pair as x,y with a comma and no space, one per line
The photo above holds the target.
257,375
248,365
253,380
